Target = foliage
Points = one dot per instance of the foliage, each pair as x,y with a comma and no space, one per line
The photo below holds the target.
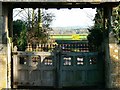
116,22
47,18
22,40
95,36
17,27
30,31
19,34
36,35
38,31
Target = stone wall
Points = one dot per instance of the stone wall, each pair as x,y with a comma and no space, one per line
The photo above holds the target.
115,65
3,69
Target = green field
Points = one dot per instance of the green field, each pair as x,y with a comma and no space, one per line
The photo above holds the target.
69,37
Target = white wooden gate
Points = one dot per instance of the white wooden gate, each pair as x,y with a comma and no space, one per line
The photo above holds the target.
33,69
57,69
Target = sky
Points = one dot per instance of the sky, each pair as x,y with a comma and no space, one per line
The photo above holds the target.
73,17
68,18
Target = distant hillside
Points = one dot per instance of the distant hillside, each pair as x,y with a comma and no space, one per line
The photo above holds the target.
69,30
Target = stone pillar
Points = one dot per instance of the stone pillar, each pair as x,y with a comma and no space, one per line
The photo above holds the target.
3,46
115,62
112,54
115,65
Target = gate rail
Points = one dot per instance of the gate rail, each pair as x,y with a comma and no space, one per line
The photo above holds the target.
57,68
33,68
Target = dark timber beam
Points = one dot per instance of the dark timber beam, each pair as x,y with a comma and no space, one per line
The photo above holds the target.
60,4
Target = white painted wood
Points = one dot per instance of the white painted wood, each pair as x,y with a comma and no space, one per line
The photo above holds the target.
15,70
34,73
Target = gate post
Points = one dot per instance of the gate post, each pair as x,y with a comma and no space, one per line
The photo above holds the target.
107,28
15,68
57,54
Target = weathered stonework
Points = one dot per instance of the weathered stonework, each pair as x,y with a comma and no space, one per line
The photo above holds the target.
3,70
115,65
3,48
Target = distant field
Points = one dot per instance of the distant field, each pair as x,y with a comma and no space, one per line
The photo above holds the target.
69,37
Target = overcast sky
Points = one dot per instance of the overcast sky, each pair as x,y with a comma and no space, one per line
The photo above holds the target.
68,18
